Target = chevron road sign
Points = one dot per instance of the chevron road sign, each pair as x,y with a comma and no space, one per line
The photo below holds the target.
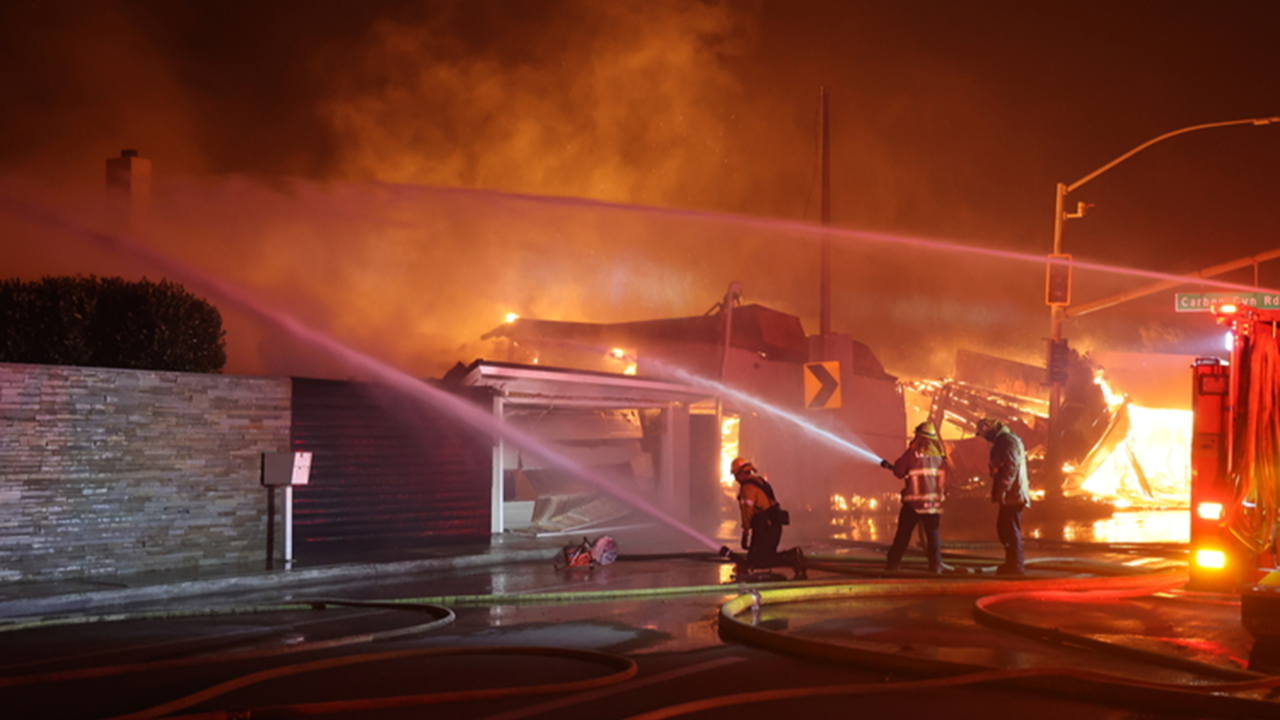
822,385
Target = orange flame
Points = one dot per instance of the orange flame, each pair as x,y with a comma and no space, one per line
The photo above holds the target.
729,446
1151,466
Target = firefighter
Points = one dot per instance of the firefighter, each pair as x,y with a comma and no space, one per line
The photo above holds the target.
762,521
1009,488
923,469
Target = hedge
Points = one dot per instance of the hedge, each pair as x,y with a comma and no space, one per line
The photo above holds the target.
109,322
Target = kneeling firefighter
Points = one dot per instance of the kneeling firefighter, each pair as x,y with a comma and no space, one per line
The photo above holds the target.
762,521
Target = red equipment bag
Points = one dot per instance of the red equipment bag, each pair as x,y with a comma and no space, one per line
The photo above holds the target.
589,553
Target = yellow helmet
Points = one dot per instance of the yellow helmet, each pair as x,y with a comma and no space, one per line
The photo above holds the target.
738,464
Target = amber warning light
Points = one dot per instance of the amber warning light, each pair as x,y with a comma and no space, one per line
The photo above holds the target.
1209,511
1215,559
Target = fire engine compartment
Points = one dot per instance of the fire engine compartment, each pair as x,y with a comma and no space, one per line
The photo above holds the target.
1235,493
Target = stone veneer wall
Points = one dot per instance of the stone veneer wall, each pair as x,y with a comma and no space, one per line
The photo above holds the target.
106,472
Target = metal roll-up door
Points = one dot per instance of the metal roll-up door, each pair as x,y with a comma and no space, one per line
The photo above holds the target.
389,475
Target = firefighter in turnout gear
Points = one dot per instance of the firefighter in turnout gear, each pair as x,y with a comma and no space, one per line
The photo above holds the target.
923,469
762,521
1009,489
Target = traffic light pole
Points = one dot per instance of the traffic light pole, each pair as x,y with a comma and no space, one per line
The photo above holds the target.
1058,311
1057,316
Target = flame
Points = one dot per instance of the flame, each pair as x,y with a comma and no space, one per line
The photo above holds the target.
729,446
854,503
1151,466
1113,398
627,359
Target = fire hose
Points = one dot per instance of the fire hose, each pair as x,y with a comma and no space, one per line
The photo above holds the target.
625,668
993,592
1206,698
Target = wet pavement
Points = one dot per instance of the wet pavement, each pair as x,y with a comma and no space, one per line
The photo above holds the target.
1082,608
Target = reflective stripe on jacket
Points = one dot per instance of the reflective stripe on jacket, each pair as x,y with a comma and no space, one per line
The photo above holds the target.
752,499
924,480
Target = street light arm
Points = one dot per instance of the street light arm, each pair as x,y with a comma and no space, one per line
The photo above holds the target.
1076,311
1166,136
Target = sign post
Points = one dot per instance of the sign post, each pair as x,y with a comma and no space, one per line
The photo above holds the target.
284,470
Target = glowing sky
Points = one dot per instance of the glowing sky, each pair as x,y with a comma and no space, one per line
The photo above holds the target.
289,140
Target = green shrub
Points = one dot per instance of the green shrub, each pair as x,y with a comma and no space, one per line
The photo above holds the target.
109,322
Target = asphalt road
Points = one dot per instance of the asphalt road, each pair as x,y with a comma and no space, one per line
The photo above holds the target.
639,636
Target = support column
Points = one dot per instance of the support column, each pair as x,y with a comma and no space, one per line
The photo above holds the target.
676,489
497,516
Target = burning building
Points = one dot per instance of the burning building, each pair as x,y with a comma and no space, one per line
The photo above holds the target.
1123,430
811,411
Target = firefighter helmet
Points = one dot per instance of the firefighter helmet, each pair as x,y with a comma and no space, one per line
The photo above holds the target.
739,464
988,427
925,429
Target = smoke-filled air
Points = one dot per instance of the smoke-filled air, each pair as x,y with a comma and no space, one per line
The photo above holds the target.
403,175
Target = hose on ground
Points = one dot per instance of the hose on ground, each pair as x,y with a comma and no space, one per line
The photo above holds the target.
983,614
625,668
1176,696
444,617
1208,698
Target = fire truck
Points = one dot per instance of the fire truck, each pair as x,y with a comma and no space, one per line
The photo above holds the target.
1235,469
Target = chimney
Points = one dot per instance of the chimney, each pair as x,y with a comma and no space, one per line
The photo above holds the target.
130,173
129,190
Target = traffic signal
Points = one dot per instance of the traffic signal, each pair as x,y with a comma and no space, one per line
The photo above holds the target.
1059,360
1057,280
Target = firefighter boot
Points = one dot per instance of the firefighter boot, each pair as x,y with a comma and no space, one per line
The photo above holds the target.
801,566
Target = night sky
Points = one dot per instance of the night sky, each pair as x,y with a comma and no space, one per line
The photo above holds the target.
401,174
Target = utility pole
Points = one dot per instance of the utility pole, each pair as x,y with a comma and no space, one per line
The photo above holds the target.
824,326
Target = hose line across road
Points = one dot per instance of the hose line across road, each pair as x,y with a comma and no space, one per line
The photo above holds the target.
1209,698
624,669
764,622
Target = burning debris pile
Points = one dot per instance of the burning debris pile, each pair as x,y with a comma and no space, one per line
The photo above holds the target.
1116,453
1142,458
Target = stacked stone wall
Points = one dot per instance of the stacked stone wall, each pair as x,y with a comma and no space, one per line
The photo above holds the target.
106,472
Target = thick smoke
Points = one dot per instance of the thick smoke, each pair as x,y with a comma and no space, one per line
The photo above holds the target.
622,102
413,131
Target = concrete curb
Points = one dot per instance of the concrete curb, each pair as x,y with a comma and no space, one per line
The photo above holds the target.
282,580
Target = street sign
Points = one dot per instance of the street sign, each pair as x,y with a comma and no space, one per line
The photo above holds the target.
822,385
1204,302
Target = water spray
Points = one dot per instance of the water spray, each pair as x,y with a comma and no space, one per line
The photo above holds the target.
471,415
819,232
827,436
840,443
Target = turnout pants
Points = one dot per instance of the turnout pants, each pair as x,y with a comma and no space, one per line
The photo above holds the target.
908,518
763,553
1009,530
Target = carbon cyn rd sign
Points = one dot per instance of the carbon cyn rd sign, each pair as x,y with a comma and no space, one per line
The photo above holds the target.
822,385
1205,302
